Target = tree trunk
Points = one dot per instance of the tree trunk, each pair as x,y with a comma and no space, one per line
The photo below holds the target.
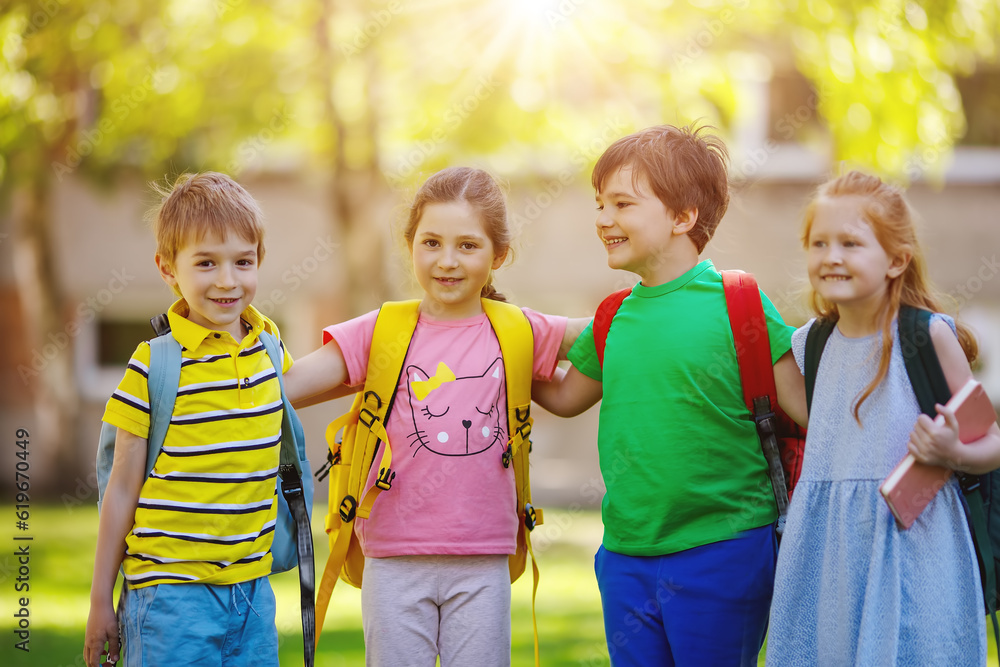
357,186
50,375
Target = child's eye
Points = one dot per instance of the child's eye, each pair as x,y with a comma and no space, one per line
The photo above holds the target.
431,243
819,244
205,262
600,207
245,262
623,204
468,245
850,244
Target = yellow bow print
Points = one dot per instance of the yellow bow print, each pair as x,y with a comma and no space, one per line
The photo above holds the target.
421,388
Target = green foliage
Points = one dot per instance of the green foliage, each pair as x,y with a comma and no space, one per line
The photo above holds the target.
414,86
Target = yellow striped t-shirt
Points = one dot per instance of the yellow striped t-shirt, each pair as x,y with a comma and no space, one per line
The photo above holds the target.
207,511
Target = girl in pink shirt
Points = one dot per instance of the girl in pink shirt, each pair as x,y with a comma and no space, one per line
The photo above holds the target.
436,575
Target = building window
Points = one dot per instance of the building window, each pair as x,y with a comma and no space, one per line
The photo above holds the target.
981,101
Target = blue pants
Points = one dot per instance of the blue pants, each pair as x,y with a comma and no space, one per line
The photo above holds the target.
702,606
200,624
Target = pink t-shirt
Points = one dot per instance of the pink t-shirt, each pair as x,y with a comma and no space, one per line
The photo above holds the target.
451,494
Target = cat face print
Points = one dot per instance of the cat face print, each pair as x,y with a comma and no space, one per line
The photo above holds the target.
456,416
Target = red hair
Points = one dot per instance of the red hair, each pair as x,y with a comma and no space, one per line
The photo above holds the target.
886,211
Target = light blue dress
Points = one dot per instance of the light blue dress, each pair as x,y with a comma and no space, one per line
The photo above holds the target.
851,588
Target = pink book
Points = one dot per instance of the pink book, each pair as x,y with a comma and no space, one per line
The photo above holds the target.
911,484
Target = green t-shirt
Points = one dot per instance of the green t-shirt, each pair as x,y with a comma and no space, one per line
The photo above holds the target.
678,451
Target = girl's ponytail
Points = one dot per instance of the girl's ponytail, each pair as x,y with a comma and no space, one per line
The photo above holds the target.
490,292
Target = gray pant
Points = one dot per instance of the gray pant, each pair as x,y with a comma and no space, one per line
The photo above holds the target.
415,608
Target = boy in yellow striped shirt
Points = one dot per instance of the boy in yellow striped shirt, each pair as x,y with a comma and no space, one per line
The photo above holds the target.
193,539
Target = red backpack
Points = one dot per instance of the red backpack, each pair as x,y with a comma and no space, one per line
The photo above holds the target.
782,440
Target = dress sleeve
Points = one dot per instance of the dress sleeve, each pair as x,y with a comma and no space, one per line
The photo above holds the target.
355,340
548,332
799,344
128,407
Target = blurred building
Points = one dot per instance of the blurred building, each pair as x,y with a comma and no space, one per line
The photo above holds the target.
104,253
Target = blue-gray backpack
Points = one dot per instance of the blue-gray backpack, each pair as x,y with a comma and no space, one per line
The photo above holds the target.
930,387
292,543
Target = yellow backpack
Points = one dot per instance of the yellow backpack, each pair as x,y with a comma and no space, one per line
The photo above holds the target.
364,438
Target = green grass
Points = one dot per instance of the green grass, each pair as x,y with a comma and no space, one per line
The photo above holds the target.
62,555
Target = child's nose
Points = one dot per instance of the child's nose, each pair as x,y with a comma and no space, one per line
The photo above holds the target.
448,258
226,277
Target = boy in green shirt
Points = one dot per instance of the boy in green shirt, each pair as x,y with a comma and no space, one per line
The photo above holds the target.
687,563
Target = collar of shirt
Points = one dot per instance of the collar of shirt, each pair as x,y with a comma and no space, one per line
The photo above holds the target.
191,335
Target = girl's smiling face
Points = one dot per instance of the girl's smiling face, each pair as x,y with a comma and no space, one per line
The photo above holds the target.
847,265
452,259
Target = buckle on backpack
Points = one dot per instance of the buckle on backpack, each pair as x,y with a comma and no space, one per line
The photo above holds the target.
375,396
348,508
507,455
527,413
530,518
969,483
367,417
385,477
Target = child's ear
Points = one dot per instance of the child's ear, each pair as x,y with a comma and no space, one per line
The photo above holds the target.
499,260
685,220
166,271
898,264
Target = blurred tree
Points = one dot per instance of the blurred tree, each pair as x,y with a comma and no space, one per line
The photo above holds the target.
377,94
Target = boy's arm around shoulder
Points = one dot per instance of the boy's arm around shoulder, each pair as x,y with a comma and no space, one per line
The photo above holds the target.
939,444
791,387
128,471
568,394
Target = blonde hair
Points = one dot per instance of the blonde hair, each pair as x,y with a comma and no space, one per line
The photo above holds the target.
482,193
686,167
198,205
886,211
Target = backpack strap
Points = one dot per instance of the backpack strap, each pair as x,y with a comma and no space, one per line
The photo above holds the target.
163,379
816,339
753,354
602,320
930,386
292,484
394,327
513,331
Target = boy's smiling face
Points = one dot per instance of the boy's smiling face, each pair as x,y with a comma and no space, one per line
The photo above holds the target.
217,278
637,229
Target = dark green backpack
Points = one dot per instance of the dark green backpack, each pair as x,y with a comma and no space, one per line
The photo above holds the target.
981,492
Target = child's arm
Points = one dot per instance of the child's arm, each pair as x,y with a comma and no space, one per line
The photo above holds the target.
317,376
791,386
121,497
574,327
939,444
568,393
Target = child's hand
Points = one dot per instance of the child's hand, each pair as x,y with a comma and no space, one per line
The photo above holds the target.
102,628
936,441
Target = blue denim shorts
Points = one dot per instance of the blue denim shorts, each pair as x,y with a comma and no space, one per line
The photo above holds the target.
200,624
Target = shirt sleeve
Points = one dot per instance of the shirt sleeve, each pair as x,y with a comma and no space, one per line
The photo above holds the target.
547,332
583,355
779,333
128,407
354,337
